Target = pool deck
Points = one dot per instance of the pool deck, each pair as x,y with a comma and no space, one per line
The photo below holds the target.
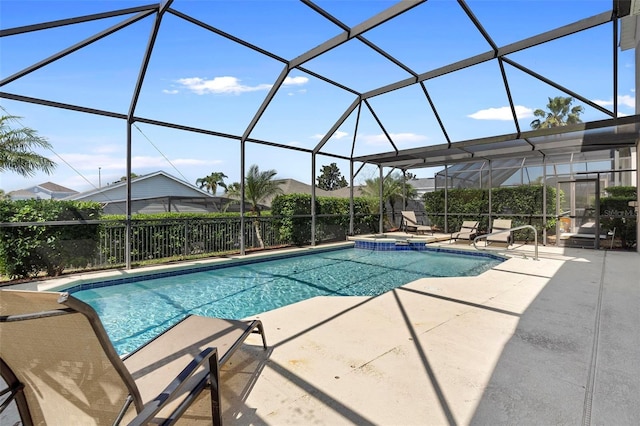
539,342
552,341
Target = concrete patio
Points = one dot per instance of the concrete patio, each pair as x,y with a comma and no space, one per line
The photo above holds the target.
553,341
530,342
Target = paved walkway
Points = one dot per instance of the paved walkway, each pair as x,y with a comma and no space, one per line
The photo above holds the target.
553,341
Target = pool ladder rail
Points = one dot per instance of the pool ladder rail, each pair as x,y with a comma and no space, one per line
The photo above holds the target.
485,236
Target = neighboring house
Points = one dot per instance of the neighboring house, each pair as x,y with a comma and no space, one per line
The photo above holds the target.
292,186
44,191
160,192
157,192
423,185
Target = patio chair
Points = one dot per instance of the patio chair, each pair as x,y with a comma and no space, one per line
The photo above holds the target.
468,231
503,237
410,224
61,368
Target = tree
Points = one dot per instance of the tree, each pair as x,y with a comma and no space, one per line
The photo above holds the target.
124,178
258,186
330,178
394,188
16,149
212,182
559,114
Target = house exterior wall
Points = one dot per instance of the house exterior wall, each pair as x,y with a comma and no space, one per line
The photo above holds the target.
40,193
164,205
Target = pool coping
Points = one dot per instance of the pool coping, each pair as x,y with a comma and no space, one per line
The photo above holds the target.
92,280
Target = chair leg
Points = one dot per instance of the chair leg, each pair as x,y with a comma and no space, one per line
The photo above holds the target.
261,331
216,406
16,390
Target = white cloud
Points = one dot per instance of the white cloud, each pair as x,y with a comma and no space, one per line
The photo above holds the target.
626,100
623,100
230,85
219,85
161,162
602,103
299,92
295,81
337,135
502,113
107,162
93,161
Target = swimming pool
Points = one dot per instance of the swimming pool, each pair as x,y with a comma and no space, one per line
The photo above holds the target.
135,312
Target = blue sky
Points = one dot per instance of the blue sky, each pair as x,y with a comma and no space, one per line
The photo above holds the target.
200,79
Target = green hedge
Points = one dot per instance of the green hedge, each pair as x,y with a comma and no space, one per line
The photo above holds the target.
294,221
509,203
26,251
615,212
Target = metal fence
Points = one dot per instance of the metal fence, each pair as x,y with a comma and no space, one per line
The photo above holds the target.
184,238
102,244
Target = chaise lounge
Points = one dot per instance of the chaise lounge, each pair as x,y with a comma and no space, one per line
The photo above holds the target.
501,233
61,368
410,224
468,231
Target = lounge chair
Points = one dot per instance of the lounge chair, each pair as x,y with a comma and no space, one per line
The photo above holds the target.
410,224
61,368
468,231
501,237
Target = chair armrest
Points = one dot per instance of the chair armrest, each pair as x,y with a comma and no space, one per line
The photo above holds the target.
153,407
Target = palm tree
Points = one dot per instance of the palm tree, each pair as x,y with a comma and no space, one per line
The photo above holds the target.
394,189
16,149
212,182
559,114
258,187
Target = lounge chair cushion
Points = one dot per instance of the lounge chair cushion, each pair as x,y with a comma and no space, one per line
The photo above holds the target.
467,231
502,237
72,374
410,223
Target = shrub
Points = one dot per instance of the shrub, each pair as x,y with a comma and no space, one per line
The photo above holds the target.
26,251
615,213
523,203
332,223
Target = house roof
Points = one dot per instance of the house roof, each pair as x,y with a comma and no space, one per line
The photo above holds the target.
138,179
292,186
54,187
22,193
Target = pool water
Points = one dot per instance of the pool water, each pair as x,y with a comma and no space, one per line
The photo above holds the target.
135,312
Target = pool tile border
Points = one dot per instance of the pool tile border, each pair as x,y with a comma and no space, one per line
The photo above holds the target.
359,244
420,246
227,263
